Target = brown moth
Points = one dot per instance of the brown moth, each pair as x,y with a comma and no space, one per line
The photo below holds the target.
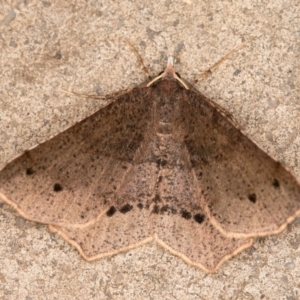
160,162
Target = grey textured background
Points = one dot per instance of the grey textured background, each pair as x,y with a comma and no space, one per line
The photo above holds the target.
75,45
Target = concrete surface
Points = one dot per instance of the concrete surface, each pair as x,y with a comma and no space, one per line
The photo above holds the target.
46,45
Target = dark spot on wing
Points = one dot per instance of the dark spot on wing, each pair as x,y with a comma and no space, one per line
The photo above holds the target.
57,187
252,197
161,162
29,171
186,214
126,208
173,210
140,205
164,209
199,218
157,198
155,209
276,183
112,210
158,161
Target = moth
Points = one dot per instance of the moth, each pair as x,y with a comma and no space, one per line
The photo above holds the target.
159,162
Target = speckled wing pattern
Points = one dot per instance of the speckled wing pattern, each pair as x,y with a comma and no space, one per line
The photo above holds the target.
158,163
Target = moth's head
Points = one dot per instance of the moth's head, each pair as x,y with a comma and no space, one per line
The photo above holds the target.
169,74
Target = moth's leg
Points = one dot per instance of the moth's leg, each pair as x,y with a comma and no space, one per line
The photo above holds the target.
144,68
210,70
116,94
108,96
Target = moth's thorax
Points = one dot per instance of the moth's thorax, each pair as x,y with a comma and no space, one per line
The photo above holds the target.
168,86
166,108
